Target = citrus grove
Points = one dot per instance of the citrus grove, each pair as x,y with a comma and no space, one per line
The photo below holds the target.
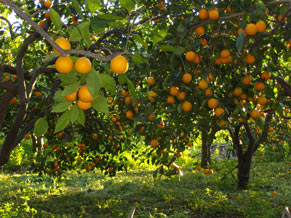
88,80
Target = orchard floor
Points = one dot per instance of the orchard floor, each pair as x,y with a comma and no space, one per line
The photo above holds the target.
193,195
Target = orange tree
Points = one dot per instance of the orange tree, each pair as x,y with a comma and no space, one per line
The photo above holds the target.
192,67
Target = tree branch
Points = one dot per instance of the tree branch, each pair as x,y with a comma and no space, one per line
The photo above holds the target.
238,147
10,27
285,85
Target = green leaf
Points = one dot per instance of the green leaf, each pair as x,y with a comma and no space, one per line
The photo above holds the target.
81,32
63,121
81,117
55,18
122,78
240,41
40,127
131,88
94,5
127,4
137,59
180,28
160,35
77,7
269,92
108,82
109,17
260,9
68,79
98,25
93,82
167,48
74,113
179,50
70,88
260,122
139,39
61,107
100,104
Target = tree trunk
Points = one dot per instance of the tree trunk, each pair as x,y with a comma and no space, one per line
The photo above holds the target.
206,155
244,168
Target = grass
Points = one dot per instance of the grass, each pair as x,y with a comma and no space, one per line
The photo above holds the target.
193,195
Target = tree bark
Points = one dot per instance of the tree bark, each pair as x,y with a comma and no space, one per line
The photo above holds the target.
206,154
244,168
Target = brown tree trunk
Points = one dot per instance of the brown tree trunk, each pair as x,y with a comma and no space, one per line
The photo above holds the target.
244,168
206,154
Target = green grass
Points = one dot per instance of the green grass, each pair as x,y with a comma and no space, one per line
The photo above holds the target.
193,195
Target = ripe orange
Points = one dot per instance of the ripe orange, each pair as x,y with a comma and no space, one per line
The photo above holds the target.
198,168
174,91
261,26
181,96
199,30
203,84
151,117
128,100
222,123
262,100
63,43
239,31
83,105
152,95
83,65
187,78
219,111
274,193
48,3
27,136
206,171
213,14
250,59
247,80
119,65
265,76
171,100
190,56
151,81
212,103
197,59
203,14
208,92
255,114
243,96
224,53
41,23
260,86
218,61
47,15
72,97
64,64
251,29
237,91
203,42
13,100
110,169
186,106
154,143
129,114
227,60
210,171
95,136
84,94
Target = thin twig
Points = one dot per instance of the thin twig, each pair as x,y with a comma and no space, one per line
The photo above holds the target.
10,26
131,214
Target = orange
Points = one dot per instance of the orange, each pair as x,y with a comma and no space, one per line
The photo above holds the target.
171,100
243,96
48,3
63,43
154,143
222,123
190,56
174,91
209,77
203,42
84,94
219,111
251,29
199,30
151,81
83,65
274,193
227,60
206,171
239,31
187,78
208,92
218,61
260,86
212,103
210,171
247,80
203,84
198,168
213,14
237,91
128,100
265,76
203,14
152,95
41,23
151,117
255,114
262,100
47,15
129,114
181,96
13,100
197,59
250,59
83,105
27,136
72,97
186,106
224,53
64,64
95,136
261,26
119,65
